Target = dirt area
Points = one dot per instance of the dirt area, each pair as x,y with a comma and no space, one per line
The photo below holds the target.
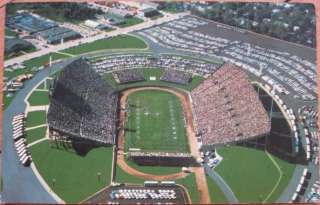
187,109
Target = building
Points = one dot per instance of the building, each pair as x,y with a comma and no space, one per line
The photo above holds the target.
15,45
29,24
148,12
57,35
120,12
95,25
150,5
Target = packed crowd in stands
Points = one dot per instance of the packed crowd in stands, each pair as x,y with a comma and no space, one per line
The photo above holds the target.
128,76
161,158
83,104
158,154
176,76
134,61
228,109
283,70
19,138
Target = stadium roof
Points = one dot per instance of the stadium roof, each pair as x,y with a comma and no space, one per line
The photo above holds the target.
29,23
16,44
56,34
228,109
83,105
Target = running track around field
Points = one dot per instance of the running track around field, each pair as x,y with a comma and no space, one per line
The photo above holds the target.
198,171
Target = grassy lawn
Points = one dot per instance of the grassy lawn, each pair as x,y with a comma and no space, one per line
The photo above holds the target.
118,42
250,173
7,100
130,22
36,118
151,126
21,52
48,82
216,195
9,32
172,10
39,98
154,72
41,86
124,177
155,170
75,176
190,184
287,169
33,64
36,134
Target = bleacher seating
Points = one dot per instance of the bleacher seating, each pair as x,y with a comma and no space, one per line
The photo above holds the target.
83,105
227,108
176,76
129,76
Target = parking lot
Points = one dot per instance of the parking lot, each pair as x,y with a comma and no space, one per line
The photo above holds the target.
288,68
140,194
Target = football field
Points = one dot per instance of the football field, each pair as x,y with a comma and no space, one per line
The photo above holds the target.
155,122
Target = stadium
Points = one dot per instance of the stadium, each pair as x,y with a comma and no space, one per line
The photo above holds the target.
159,122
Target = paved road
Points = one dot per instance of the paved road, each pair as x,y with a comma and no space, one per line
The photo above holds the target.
222,184
20,183
55,48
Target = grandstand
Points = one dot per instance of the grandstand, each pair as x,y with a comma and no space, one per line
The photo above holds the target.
162,158
83,105
176,76
227,108
128,76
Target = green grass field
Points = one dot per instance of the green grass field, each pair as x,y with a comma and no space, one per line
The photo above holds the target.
153,72
34,63
118,42
190,184
130,22
124,177
76,177
36,118
155,122
216,195
36,134
251,174
155,170
9,32
39,98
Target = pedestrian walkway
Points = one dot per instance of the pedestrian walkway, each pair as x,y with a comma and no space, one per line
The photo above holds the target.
35,127
224,187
